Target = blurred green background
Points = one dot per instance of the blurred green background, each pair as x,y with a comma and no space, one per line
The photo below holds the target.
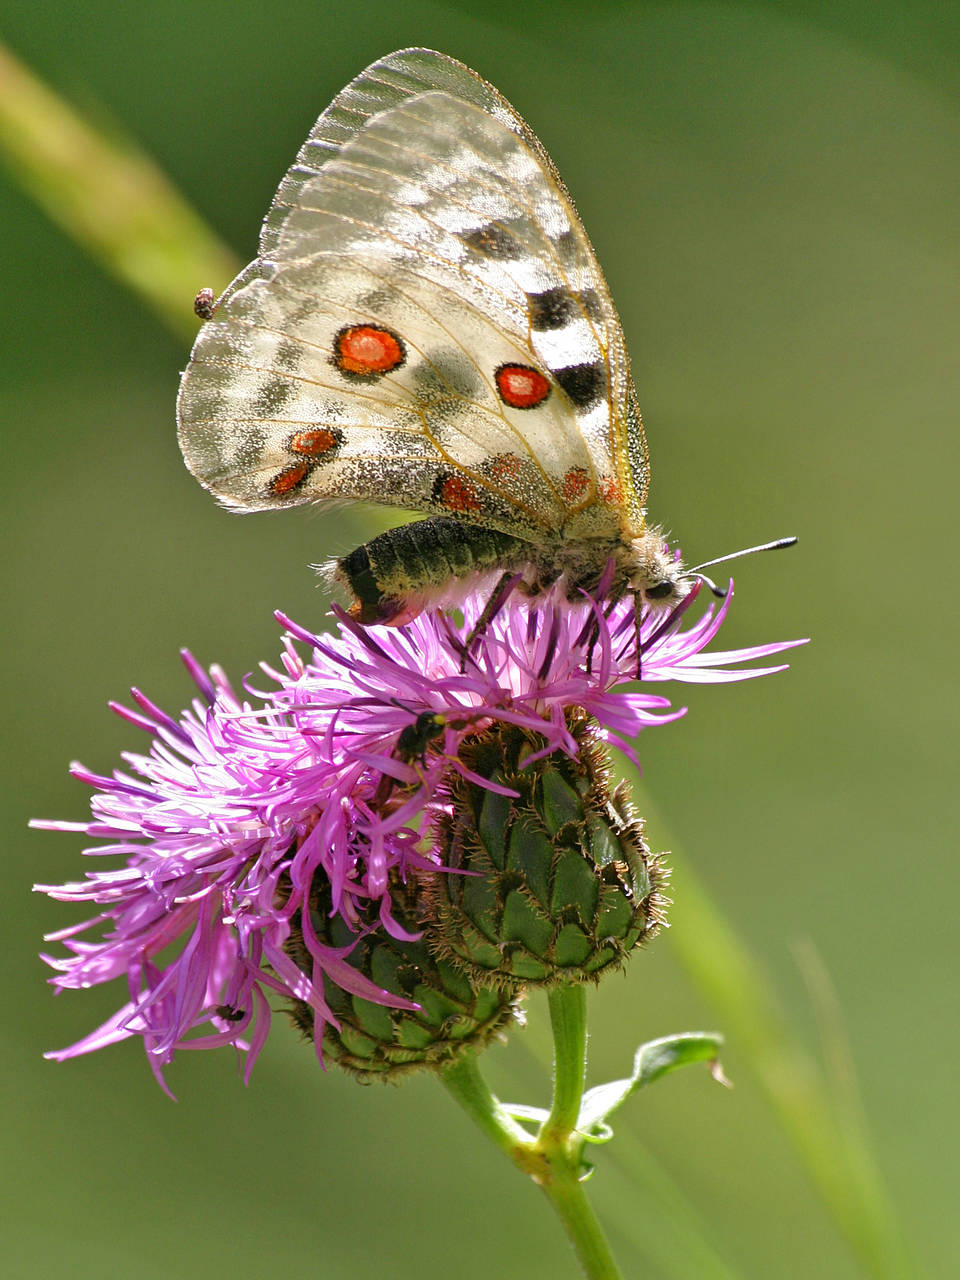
772,189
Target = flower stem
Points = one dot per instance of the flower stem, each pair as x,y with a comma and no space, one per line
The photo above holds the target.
558,1140
564,1189
464,1081
568,1018
552,1158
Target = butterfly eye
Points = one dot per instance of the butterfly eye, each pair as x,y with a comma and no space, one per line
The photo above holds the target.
659,590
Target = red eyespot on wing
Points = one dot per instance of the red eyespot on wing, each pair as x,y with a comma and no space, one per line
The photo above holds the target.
610,492
520,386
316,442
456,494
367,349
575,484
287,480
505,466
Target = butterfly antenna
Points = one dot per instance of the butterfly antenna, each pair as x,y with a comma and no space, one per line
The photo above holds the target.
719,592
697,570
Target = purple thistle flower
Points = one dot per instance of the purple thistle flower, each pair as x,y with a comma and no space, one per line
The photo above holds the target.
226,825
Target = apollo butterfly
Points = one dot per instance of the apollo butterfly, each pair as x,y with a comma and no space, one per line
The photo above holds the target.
427,327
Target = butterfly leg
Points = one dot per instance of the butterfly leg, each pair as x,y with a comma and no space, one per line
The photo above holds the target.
637,621
593,635
495,602
591,632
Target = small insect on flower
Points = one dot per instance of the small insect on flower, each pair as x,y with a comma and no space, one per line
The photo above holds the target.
427,327
230,1013
413,741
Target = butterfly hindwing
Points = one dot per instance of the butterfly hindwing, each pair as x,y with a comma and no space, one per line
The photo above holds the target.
426,326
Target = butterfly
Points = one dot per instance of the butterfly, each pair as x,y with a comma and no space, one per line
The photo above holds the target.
427,327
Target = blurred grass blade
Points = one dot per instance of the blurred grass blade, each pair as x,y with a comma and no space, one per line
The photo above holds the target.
675,1237
841,1069
836,1154
110,198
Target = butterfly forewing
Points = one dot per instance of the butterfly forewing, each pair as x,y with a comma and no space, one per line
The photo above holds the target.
385,84
426,327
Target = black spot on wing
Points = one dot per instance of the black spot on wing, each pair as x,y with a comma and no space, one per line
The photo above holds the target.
554,308
272,394
289,355
446,380
591,304
376,301
493,241
567,248
585,384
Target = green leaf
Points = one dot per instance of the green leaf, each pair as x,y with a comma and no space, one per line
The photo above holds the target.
535,1116
652,1060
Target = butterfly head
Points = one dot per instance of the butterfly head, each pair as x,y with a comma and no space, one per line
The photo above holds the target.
656,572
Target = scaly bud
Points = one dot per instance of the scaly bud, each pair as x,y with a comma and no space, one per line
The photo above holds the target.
558,884
374,1041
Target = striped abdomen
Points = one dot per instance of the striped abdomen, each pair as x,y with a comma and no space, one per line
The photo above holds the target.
394,575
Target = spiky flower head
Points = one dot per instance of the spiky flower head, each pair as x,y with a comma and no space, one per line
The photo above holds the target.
558,884
274,845
372,1040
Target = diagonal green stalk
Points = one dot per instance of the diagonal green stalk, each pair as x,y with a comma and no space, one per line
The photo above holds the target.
110,197
552,1158
836,1155
464,1081
564,1189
